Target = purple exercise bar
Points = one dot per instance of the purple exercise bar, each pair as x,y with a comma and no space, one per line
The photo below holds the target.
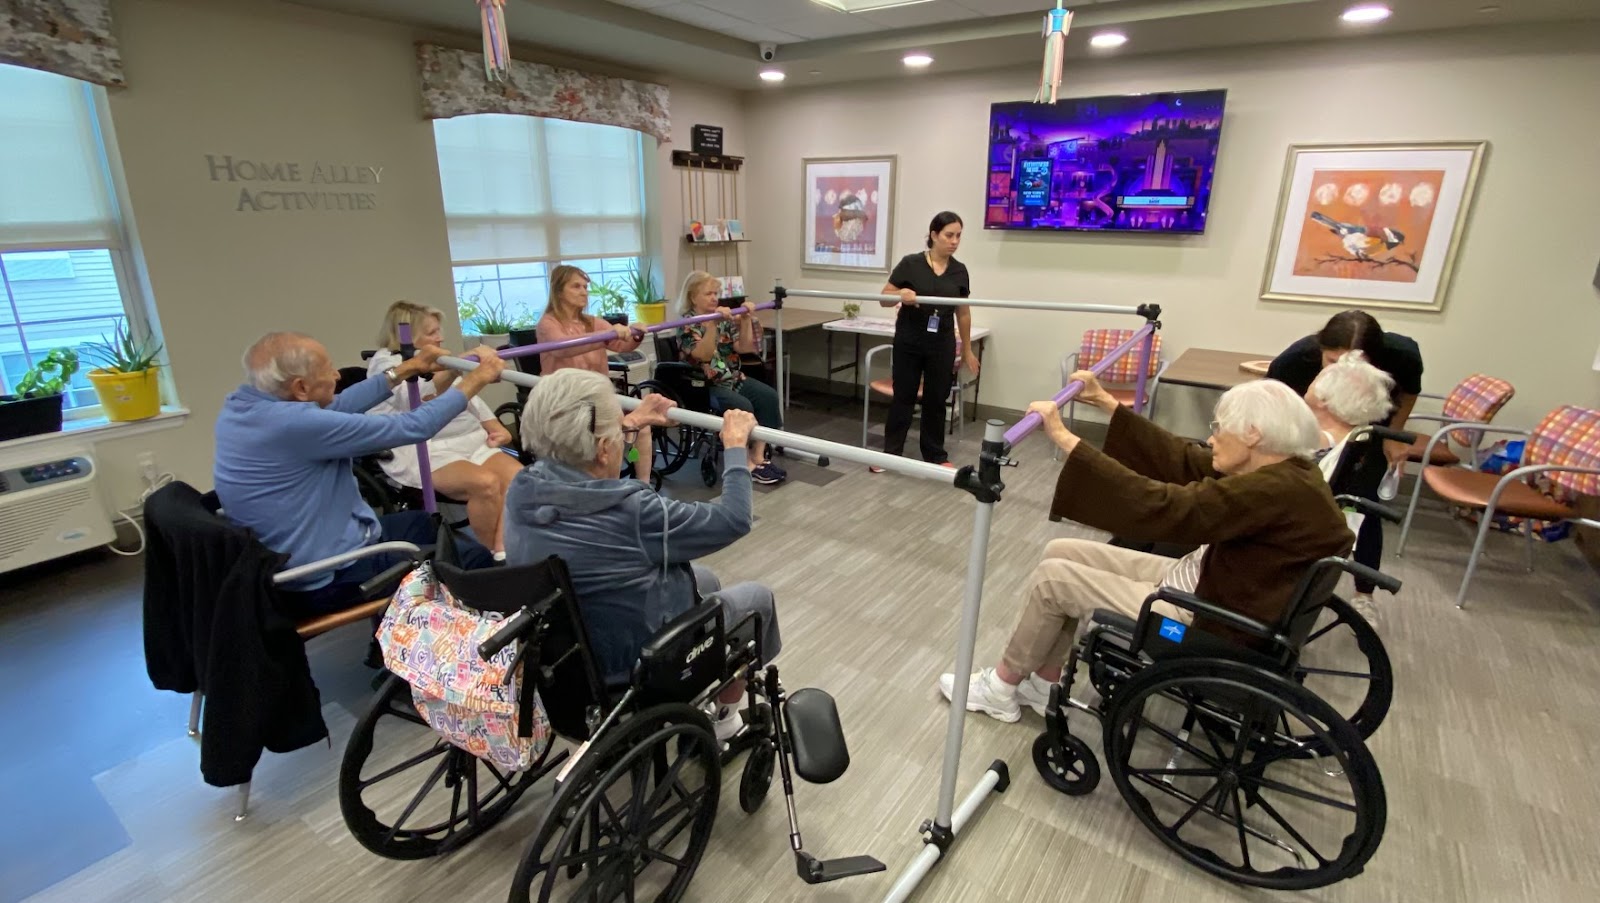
424,466
1145,336
606,335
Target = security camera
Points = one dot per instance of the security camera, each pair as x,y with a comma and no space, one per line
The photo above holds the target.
768,51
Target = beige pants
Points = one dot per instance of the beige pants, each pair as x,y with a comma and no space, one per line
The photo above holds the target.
1076,577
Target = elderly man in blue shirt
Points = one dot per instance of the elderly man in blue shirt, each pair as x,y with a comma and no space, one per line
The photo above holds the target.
285,443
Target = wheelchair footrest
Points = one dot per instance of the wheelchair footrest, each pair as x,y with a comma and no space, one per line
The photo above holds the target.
816,736
819,871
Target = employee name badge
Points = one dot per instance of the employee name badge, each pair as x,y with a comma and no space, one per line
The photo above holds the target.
933,322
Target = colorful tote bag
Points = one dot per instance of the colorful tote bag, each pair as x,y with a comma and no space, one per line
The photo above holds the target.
431,642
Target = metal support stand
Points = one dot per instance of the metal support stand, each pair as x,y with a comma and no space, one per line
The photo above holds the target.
194,714
941,831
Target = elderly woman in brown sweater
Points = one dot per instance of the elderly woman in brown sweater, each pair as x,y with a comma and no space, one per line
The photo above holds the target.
1252,495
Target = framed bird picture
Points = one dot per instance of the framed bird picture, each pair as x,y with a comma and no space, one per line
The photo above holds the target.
1371,225
848,205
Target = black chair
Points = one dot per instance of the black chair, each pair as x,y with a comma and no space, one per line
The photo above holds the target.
645,748
1216,743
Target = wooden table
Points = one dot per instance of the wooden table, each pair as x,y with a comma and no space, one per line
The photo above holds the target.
1209,369
798,318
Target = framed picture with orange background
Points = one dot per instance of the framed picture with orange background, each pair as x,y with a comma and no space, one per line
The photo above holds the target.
1371,225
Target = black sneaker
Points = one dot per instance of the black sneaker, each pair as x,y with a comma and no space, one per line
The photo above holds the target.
765,476
773,466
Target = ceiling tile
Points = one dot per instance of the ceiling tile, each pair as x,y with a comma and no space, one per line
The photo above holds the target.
920,14
797,17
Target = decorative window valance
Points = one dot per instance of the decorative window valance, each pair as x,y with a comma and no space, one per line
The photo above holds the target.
453,84
67,37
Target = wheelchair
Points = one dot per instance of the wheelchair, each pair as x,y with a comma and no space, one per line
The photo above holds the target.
635,800
1216,741
686,385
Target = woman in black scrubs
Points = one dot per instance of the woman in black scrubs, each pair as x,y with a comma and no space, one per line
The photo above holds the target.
1394,354
925,337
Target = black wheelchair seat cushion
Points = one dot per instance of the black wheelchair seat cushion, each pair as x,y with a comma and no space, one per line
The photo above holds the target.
820,754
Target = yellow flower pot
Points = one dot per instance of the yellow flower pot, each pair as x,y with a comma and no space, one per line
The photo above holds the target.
651,314
128,396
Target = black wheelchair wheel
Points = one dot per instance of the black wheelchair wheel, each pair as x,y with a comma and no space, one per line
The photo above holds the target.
673,444
406,793
1344,663
756,779
1239,803
633,817
1069,767
708,468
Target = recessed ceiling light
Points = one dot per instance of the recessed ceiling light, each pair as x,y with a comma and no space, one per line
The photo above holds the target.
1108,39
1489,10
772,75
1366,14
815,72
917,60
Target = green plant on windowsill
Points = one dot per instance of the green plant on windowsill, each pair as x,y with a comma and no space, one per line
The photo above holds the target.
485,316
52,375
639,287
607,300
122,352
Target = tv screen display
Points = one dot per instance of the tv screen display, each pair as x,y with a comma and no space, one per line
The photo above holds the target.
1124,163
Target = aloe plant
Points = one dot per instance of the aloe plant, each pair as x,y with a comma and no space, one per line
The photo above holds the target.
50,376
640,284
122,352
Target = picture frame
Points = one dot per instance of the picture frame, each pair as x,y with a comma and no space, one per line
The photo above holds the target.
847,209
1375,225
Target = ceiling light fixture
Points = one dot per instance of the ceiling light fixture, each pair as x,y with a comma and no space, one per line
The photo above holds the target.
1106,40
1366,14
772,75
917,60
861,6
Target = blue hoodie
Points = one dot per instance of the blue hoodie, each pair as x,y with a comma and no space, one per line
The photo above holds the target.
627,547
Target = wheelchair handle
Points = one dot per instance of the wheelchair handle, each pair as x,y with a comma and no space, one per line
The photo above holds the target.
1374,431
371,586
1382,580
1368,506
514,628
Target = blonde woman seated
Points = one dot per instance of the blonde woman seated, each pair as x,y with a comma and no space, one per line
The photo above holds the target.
466,456
566,316
1253,496
716,346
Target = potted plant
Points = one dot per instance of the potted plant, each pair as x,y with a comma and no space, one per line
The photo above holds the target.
36,408
482,320
126,375
610,303
851,310
640,288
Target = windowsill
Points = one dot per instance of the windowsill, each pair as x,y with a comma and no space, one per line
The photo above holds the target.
99,429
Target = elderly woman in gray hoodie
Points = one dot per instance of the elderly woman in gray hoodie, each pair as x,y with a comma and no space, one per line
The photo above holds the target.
629,549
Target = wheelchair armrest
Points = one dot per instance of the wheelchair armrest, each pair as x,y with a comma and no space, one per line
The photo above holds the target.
617,366
1373,575
1363,433
683,658
1368,506
1198,606
336,562
679,367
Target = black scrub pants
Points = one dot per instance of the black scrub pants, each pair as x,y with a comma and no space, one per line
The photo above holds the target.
926,360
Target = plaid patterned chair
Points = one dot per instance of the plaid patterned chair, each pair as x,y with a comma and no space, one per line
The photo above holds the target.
1122,379
1561,463
1475,399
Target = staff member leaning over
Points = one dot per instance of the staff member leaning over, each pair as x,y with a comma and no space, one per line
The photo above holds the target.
1254,497
284,449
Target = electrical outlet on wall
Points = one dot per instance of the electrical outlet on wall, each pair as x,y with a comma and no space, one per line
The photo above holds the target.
147,469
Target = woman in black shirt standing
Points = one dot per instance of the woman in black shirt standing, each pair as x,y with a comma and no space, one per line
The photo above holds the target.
925,337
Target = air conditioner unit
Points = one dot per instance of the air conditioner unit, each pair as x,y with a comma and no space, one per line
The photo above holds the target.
49,506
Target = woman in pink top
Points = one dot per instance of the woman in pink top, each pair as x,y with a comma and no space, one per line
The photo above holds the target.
567,317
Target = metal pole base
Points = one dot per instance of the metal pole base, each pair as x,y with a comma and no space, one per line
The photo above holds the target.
995,780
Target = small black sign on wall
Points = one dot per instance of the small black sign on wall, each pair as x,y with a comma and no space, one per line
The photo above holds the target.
707,139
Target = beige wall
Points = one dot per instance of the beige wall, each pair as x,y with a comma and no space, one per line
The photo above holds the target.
1522,305
692,105
275,82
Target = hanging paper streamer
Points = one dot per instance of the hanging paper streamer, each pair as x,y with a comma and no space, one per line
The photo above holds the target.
1056,23
496,53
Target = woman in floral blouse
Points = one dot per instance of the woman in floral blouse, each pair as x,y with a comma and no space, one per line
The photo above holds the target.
716,345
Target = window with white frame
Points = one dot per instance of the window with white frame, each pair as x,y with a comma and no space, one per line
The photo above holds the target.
62,281
522,194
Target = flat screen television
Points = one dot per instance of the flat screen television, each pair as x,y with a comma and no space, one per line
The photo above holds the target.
1123,163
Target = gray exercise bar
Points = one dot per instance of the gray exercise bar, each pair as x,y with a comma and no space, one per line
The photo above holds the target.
788,441
970,302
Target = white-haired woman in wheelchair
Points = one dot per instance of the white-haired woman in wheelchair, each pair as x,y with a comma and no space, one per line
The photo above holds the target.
1252,495
467,457
629,550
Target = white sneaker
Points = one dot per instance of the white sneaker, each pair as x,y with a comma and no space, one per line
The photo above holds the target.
1366,608
728,723
1034,692
986,693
